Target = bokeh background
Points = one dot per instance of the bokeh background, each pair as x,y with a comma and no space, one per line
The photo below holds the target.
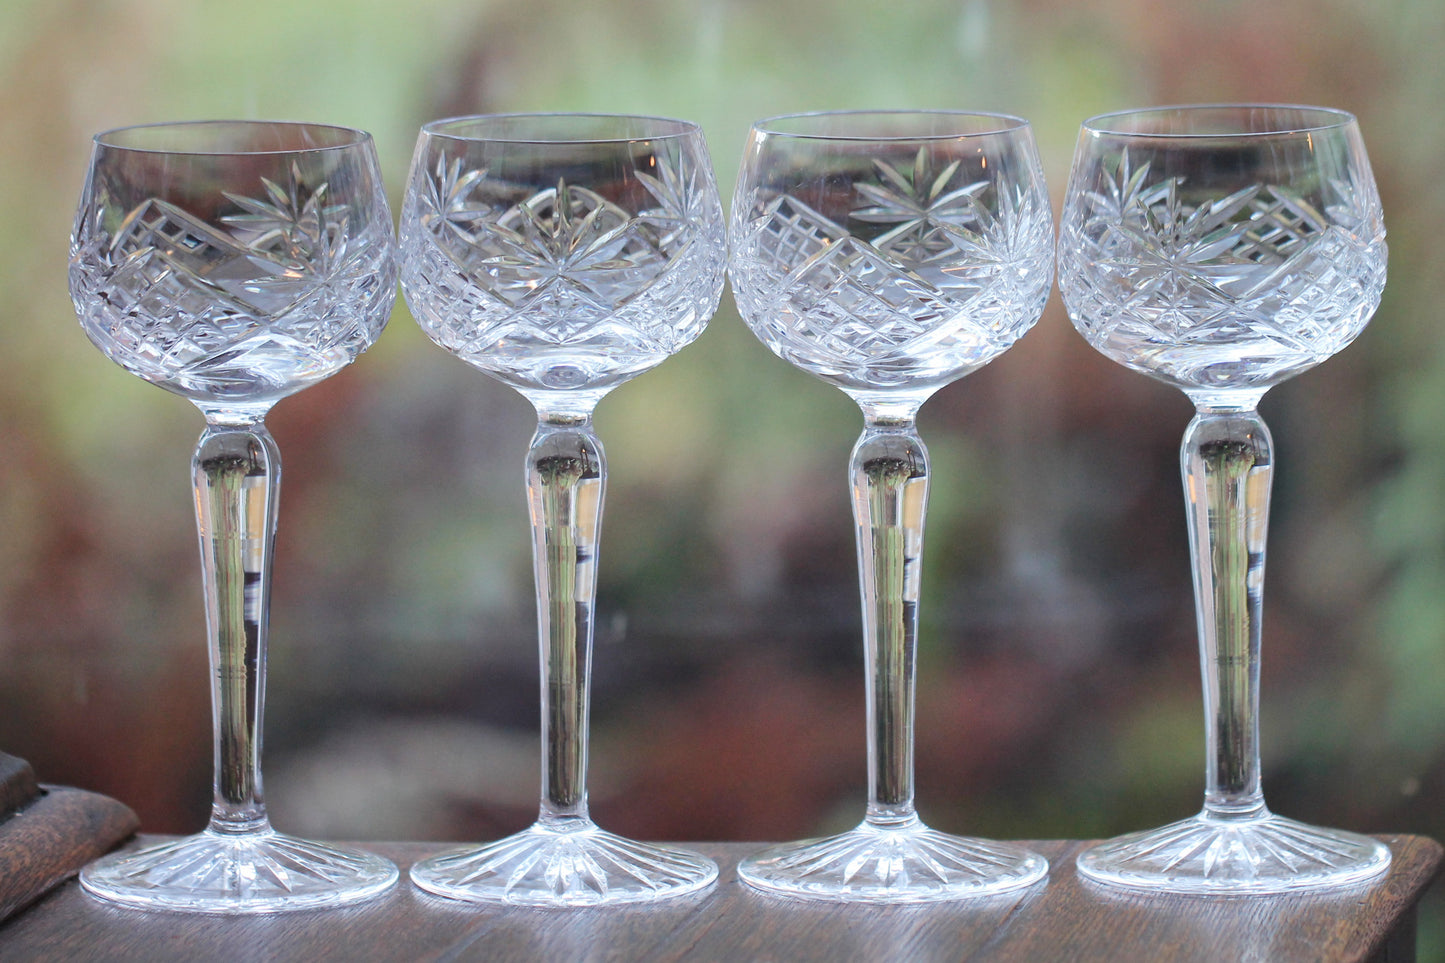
1058,679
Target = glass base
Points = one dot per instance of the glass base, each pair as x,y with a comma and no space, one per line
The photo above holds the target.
258,872
908,863
576,865
1210,855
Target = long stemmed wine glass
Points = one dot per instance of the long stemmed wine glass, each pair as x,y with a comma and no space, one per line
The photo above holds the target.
1223,249
563,254
890,253
235,263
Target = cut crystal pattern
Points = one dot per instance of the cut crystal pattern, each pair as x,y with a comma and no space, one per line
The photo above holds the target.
917,211
282,295
909,864
262,872
563,287
576,867
925,283
1240,291
889,265
1269,854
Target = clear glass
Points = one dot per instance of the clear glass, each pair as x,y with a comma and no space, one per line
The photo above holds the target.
891,253
563,254
1223,249
234,263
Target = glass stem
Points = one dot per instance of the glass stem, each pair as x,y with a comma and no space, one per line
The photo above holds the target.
236,473
889,472
566,474
1227,461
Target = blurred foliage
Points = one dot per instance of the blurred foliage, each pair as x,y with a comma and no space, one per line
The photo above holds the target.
1059,679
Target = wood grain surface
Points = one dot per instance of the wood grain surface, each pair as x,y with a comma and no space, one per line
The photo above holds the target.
1061,919
49,838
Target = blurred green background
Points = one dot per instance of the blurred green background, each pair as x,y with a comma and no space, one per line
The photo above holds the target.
1058,681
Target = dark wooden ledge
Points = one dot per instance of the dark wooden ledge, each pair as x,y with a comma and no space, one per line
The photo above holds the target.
48,832
1064,921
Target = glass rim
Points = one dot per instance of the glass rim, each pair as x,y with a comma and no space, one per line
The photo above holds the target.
668,128
1003,124
111,137
1328,118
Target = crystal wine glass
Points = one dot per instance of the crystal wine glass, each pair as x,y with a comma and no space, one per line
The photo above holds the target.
234,263
891,253
563,254
1223,249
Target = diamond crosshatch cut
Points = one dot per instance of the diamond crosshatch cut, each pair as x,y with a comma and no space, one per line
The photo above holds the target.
931,277
267,305
170,264
860,303
1190,292
544,273
788,235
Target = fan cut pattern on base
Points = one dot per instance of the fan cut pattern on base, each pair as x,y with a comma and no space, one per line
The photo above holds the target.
913,864
1269,854
239,873
574,867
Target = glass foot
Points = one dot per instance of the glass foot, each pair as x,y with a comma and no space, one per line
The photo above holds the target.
1205,854
261,872
909,863
571,866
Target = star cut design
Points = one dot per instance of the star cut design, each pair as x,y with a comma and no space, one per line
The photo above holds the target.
1257,284
516,279
929,282
266,300
920,211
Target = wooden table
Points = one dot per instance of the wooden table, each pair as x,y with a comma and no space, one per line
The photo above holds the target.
1065,920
